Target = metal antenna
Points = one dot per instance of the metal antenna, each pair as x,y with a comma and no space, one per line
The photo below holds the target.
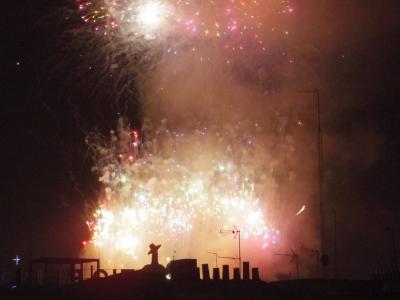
216,258
293,258
236,232
316,253
316,93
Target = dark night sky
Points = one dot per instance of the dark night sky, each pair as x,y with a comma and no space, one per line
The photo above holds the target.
46,177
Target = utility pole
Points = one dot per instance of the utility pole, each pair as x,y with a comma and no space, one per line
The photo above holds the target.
334,244
240,255
392,241
316,94
320,168
333,212
314,253
317,259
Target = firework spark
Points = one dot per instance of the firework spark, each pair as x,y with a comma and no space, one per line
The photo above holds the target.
302,209
177,185
227,19
174,190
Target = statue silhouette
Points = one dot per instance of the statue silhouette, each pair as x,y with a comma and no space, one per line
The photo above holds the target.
154,254
155,269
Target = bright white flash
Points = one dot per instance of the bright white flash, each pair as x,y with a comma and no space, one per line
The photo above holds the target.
151,14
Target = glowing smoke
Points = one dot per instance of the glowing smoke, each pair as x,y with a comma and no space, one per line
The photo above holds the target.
215,150
186,185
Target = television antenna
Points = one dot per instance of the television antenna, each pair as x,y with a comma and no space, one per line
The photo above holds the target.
236,233
294,257
317,254
216,258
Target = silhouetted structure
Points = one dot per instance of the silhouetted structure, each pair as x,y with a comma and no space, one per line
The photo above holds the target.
216,274
236,274
254,274
75,267
154,254
246,270
19,277
225,272
184,270
206,271
154,267
184,282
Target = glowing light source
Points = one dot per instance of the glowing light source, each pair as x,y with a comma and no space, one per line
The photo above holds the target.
17,259
185,195
209,19
179,191
151,14
301,210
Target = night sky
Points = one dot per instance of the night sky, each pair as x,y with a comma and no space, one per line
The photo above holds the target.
47,111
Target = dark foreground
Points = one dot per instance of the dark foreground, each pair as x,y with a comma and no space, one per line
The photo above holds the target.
131,286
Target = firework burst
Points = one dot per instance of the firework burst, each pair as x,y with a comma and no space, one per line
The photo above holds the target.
179,185
228,20
174,186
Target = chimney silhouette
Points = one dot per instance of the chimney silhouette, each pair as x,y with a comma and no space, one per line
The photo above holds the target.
206,271
225,272
236,274
254,274
246,270
216,274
